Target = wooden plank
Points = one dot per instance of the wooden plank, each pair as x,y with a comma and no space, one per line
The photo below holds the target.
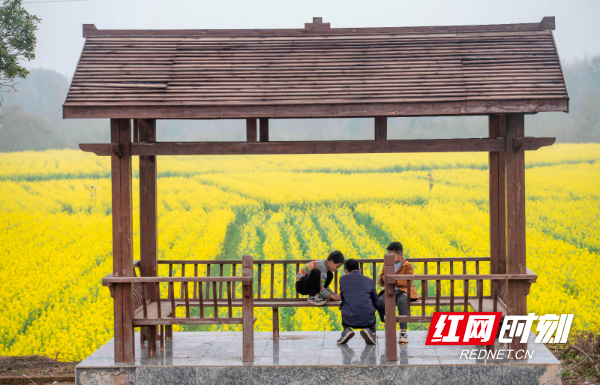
451,287
258,282
446,277
221,283
272,278
285,280
313,108
215,279
438,289
188,321
159,309
229,299
301,302
201,299
187,299
215,300
390,310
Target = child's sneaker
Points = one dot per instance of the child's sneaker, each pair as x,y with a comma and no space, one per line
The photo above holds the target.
347,334
367,335
316,300
403,339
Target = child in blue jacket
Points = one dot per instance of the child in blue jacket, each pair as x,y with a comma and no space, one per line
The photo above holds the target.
359,303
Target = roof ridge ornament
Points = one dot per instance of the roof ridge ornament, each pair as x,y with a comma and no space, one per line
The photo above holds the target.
548,23
317,24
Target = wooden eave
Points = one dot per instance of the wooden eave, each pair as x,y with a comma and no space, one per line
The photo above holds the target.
317,72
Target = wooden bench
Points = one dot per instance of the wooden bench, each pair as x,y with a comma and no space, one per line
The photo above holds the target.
156,314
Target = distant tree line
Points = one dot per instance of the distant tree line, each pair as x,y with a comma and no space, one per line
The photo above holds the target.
31,119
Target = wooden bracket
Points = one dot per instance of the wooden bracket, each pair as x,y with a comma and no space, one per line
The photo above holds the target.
517,144
117,149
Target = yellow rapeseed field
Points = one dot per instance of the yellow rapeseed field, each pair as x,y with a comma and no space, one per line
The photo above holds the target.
56,242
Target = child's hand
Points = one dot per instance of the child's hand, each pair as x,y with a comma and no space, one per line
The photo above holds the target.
336,297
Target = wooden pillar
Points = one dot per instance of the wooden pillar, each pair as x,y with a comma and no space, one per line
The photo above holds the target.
120,134
391,349
516,259
148,222
247,311
497,129
251,130
264,129
381,128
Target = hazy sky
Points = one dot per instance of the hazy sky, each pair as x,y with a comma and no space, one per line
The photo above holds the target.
59,38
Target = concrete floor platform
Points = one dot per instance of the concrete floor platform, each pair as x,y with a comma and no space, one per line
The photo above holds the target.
307,358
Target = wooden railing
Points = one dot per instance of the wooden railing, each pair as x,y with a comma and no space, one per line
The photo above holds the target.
492,301
162,311
214,284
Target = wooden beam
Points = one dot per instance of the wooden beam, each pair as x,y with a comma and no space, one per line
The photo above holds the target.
380,128
516,258
122,241
313,108
251,130
318,147
264,129
446,277
90,30
187,321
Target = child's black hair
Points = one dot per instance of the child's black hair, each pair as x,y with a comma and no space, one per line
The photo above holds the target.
396,247
351,265
336,256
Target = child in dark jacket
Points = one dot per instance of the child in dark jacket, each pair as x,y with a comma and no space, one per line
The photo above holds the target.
359,303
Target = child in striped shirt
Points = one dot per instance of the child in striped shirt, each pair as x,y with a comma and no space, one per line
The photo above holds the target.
314,279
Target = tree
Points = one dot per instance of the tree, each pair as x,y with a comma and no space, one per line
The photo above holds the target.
20,131
17,42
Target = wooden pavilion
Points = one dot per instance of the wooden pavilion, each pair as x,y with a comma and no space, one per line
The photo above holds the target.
139,76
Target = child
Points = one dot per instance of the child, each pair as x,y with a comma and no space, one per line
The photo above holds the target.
314,279
401,266
359,302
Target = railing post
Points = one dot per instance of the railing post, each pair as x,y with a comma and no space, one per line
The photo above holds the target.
248,310
391,350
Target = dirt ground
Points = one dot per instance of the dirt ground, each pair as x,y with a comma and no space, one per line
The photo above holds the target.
31,366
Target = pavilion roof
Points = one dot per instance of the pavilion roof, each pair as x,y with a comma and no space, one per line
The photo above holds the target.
317,71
